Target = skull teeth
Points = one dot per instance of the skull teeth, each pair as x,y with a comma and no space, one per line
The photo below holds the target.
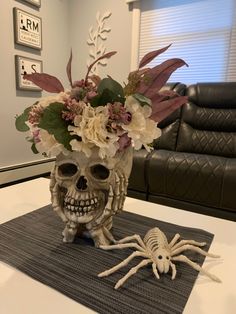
81,203
80,207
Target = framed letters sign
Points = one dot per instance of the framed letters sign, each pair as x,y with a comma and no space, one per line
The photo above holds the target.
26,66
27,29
37,3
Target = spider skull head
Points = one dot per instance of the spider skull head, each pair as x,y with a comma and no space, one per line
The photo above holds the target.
84,183
161,258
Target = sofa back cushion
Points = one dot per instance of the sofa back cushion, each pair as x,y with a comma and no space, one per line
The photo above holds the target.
208,123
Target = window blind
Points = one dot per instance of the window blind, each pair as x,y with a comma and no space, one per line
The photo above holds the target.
202,32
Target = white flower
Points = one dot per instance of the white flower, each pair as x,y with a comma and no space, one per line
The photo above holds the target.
46,101
91,127
49,145
80,146
141,129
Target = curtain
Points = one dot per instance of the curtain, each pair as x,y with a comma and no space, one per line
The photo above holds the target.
202,32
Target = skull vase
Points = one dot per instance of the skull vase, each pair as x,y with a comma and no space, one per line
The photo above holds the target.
87,192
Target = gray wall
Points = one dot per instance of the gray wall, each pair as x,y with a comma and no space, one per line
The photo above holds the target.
14,149
65,24
82,16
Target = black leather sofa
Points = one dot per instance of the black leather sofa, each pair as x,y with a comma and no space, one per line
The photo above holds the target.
193,164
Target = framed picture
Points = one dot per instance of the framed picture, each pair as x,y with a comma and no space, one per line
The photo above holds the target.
26,66
37,3
27,29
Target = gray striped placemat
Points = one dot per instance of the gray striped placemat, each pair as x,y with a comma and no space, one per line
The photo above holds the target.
33,244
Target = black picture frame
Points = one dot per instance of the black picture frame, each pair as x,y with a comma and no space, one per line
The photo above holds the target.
26,65
27,29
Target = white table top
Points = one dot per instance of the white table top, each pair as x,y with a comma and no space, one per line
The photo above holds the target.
21,294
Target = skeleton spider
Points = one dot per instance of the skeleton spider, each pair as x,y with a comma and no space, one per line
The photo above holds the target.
156,249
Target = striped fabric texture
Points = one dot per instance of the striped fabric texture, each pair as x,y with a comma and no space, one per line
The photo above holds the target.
33,244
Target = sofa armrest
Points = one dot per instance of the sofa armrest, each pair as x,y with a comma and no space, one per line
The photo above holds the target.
228,198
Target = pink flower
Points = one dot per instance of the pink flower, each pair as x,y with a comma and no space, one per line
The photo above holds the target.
80,83
36,136
35,114
91,94
83,90
118,113
68,116
124,142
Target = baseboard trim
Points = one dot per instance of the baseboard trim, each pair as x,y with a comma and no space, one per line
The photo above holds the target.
19,172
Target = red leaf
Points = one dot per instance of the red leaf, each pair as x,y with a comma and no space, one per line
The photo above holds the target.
151,55
139,72
68,69
156,78
163,95
106,55
45,81
161,110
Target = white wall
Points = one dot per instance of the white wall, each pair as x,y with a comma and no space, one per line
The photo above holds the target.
65,24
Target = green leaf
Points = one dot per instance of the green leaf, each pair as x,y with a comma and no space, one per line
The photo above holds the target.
111,85
94,102
107,96
142,99
52,122
34,149
21,119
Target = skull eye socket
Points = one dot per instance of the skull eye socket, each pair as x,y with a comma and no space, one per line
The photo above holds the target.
67,170
100,172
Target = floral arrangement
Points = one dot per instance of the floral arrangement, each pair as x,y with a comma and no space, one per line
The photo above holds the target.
100,113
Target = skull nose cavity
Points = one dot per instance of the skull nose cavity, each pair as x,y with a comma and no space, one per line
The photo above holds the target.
82,183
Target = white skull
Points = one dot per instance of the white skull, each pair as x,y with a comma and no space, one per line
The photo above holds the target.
88,191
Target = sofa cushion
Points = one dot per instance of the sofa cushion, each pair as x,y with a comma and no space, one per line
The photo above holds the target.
213,95
208,120
190,177
206,142
169,135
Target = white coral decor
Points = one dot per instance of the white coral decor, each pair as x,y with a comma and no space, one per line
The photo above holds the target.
142,130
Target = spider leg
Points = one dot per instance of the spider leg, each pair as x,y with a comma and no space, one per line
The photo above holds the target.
132,271
109,235
182,258
173,267
192,248
183,242
154,268
174,240
120,265
122,246
133,237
